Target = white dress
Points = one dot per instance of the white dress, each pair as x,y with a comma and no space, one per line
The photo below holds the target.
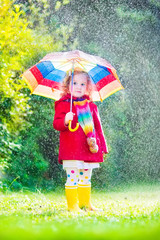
79,164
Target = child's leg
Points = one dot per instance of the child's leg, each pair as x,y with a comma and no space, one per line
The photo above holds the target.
85,176
84,189
71,189
72,176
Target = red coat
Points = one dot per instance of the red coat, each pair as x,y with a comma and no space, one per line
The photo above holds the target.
73,145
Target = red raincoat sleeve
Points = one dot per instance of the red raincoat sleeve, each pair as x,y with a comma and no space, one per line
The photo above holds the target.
60,112
99,130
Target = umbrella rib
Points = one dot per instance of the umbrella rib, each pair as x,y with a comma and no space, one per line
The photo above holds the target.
76,59
70,60
95,64
81,65
62,65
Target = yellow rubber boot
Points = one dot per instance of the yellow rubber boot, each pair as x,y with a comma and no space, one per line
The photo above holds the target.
72,198
84,196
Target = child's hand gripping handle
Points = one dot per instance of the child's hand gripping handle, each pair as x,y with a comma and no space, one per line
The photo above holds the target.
68,121
72,129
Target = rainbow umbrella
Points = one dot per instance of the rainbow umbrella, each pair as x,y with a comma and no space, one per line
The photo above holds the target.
46,77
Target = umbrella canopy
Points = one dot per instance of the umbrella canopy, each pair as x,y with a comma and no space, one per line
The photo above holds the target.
46,77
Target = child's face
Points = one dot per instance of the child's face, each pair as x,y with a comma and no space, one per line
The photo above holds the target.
79,85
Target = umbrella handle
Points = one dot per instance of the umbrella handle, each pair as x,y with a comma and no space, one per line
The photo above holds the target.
72,129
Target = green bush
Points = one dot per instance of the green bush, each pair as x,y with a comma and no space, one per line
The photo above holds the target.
23,42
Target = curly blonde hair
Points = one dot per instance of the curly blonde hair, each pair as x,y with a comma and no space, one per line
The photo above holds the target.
67,80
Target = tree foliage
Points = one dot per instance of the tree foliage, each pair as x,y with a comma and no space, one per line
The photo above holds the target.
13,103
22,43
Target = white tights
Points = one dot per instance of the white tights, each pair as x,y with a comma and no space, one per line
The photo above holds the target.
75,176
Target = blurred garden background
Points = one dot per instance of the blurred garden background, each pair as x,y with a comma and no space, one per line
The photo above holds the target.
127,34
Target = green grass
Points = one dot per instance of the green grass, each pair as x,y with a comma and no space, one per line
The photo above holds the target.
127,214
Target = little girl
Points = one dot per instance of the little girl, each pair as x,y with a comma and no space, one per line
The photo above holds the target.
82,150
